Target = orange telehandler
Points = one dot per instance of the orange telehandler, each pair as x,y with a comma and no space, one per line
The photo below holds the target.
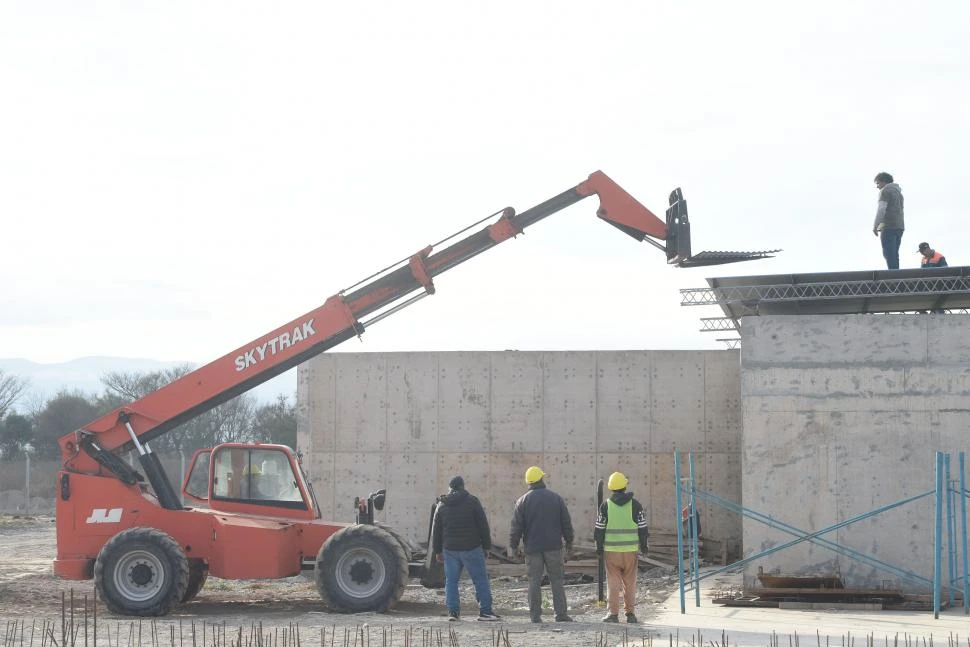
254,513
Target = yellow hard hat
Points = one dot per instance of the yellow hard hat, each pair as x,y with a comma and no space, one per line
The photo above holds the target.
533,475
253,470
617,481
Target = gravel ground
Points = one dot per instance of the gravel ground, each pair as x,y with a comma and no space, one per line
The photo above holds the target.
30,593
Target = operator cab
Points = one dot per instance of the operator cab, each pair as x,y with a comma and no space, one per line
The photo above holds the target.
255,478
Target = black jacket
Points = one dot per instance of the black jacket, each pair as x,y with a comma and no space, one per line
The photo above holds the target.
540,519
620,498
462,524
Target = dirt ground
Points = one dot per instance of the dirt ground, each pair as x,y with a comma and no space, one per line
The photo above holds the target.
30,593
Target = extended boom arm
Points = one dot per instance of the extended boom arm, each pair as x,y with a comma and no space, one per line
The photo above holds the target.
338,319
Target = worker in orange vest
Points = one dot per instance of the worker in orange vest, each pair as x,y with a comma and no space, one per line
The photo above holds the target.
931,257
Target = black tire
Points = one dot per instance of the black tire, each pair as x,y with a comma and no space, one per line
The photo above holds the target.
141,572
405,546
361,568
198,574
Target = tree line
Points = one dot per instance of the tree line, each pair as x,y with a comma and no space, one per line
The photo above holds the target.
38,426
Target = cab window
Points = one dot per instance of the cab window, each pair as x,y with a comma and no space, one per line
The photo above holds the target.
259,476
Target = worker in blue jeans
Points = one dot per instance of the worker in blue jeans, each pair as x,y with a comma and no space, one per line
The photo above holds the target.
461,537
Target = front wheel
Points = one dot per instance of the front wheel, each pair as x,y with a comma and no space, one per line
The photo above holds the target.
141,572
361,568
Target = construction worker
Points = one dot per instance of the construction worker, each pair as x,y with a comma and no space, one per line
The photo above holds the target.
461,539
621,530
889,225
541,521
931,257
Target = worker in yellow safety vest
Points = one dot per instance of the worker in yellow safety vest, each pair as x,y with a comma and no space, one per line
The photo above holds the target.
620,531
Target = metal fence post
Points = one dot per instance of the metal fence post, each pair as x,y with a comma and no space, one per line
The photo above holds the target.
27,487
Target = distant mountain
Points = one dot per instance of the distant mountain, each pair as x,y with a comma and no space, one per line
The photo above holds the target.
84,375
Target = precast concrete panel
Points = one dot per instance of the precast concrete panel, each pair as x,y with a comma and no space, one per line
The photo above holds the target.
319,468
569,402
317,384
411,488
623,402
412,402
516,403
722,402
721,475
663,512
411,421
677,407
573,477
463,402
356,475
474,468
361,401
506,485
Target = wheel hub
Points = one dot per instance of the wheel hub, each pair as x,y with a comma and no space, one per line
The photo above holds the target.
141,574
362,571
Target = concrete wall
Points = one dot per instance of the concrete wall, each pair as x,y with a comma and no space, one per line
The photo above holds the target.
843,414
410,421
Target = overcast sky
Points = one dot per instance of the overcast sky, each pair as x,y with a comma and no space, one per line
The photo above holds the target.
177,180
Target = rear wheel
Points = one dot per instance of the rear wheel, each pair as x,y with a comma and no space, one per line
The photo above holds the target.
198,574
361,568
141,572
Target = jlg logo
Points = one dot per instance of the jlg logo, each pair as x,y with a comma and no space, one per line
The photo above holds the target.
103,515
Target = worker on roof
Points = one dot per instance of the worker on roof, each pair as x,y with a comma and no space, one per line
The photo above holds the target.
620,531
889,218
541,521
931,257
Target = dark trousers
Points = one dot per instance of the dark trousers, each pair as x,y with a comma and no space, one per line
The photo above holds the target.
891,238
549,561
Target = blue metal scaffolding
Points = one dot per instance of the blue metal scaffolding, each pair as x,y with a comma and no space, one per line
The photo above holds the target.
946,490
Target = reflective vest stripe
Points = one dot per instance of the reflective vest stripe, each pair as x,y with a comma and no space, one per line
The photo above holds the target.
621,529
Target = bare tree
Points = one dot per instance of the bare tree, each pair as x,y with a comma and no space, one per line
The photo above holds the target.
11,388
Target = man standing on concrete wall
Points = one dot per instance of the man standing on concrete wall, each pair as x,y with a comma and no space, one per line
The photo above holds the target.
889,219
621,530
540,519
461,538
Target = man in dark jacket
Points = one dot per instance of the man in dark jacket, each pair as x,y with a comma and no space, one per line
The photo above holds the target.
540,519
620,530
461,537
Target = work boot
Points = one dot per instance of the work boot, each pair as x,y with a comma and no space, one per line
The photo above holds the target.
563,618
631,618
489,617
453,616
610,618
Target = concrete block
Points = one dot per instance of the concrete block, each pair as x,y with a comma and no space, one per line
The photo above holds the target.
569,398
809,340
677,405
516,404
361,401
623,402
412,402
463,402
